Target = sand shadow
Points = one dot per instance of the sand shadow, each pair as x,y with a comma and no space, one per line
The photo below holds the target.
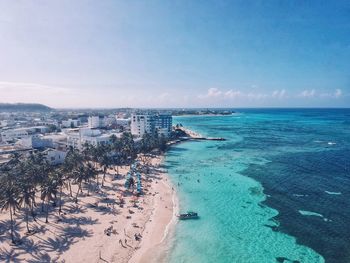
29,246
42,258
56,244
5,232
9,255
73,232
82,220
106,210
74,209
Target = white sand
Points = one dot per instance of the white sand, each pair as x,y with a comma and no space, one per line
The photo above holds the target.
81,237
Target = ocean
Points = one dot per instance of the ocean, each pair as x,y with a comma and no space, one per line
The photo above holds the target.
277,190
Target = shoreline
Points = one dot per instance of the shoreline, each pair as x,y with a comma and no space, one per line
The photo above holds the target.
160,226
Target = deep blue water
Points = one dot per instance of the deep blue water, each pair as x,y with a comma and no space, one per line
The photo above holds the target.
278,190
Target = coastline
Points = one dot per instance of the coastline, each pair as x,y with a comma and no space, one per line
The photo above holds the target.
161,224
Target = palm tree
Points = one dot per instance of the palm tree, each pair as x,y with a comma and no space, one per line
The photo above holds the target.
128,147
27,197
48,193
97,154
71,162
116,148
14,161
61,181
26,191
90,173
146,143
88,152
106,161
9,197
37,169
113,139
79,177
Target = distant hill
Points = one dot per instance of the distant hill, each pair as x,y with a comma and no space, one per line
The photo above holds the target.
24,107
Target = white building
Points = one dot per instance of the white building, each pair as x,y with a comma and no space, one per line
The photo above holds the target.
94,122
70,123
73,140
100,122
38,129
95,140
13,134
20,133
77,138
35,142
55,157
141,124
5,123
59,140
151,123
109,120
89,132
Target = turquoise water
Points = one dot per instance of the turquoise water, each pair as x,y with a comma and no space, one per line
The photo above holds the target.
220,180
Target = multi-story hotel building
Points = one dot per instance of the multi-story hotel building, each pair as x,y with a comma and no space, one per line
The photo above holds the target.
142,123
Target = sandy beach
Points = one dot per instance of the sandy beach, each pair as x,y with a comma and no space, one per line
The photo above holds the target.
111,225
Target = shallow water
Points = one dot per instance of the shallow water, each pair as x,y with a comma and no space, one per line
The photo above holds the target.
264,194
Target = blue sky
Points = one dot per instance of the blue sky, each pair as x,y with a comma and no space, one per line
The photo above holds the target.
175,53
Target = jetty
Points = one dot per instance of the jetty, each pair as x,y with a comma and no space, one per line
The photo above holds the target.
192,135
210,138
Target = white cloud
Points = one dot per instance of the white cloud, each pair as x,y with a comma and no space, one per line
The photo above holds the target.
217,94
338,93
232,94
308,93
278,93
211,93
214,92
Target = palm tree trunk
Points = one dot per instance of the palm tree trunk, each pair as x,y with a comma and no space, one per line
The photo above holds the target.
55,199
32,211
27,218
88,187
47,211
60,206
104,176
12,237
76,197
70,189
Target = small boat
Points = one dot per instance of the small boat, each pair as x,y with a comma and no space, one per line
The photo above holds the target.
188,215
